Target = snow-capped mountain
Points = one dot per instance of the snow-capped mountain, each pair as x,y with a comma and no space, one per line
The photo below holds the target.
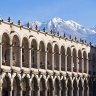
69,27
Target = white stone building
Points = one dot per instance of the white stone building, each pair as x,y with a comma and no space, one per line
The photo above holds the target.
35,63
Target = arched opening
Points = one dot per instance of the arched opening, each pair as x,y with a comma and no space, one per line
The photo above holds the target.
49,56
25,53
62,58
79,61
16,51
80,87
6,86
34,53
68,59
69,86
85,88
85,61
75,88
90,62
74,60
34,87
16,87
63,87
56,57
50,87
42,87
42,55
25,86
5,49
93,63
57,87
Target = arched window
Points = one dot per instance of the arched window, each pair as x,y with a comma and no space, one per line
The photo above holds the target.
74,60
5,50
16,51
79,61
68,59
56,57
34,53
85,61
62,58
42,55
25,53
49,56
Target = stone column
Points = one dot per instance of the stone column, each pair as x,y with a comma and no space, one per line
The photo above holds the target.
21,57
38,59
87,90
30,58
71,63
66,63
45,60
52,61
72,91
11,57
59,62
11,89
0,56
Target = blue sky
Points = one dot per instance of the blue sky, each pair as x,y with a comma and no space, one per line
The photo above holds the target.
81,11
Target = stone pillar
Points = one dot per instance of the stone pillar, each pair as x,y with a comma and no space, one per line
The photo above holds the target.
71,63
30,58
38,59
87,90
0,56
59,62
21,57
52,61
66,63
11,57
45,60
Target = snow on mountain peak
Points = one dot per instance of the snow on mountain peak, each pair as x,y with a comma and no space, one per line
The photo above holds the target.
69,27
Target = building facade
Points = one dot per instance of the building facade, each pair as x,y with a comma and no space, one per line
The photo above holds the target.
35,63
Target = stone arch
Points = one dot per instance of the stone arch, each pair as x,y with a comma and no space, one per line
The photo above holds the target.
75,87
16,51
25,86
69,86
74,54
42,86
49,56
42,54
85,61
57,86
79,61
16,86
35,86
5,49
62,51
6,86
34,53
50,87
68,59
56,57
25,52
